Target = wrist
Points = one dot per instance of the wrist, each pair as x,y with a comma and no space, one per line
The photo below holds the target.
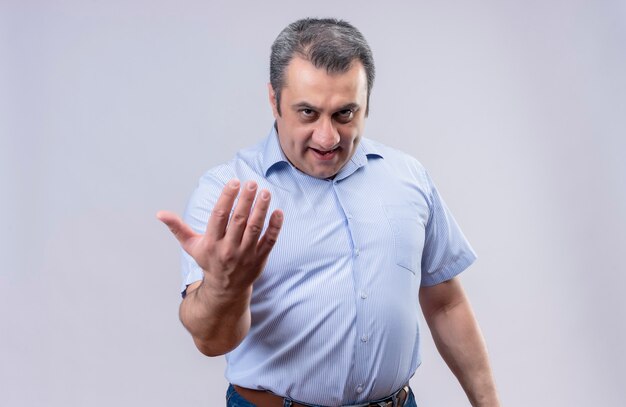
488,400
220,295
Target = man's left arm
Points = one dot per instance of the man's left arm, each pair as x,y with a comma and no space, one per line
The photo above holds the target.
458,338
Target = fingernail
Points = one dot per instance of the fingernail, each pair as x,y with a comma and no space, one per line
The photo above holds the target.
265,194
251,185
233,183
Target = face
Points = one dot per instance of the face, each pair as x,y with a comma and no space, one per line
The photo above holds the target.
322,116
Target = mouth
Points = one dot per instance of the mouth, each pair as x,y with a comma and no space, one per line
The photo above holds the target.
324,154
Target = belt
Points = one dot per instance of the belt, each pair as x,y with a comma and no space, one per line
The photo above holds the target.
262,398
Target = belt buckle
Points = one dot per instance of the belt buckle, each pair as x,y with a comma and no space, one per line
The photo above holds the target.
382,404
391,401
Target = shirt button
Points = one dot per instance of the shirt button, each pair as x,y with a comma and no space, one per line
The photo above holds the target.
359,389
363,295
356,252
364,338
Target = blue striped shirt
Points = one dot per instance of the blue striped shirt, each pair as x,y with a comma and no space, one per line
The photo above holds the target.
335,312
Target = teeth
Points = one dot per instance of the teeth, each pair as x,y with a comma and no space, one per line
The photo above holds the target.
324,152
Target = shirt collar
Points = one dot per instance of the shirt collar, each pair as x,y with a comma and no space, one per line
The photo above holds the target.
273,156
365,151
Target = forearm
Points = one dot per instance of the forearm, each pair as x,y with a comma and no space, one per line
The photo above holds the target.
218,322
460,342
232,253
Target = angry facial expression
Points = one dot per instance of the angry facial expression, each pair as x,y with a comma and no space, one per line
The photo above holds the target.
322,116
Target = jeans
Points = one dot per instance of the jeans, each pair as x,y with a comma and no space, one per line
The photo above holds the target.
233,399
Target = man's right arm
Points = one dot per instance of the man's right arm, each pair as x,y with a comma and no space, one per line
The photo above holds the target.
232,254
217,324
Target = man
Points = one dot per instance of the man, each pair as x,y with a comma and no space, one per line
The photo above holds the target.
318,303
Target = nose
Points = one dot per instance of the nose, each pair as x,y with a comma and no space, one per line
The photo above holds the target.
325,135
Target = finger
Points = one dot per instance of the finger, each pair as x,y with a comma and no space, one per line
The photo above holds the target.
257,219
270,236
216,227
179,229
239,219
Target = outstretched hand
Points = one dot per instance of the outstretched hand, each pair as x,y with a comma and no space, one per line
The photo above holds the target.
232,251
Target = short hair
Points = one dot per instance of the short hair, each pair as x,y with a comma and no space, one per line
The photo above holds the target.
327,43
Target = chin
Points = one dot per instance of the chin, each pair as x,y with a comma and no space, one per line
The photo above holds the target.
321,174
321,171
327,175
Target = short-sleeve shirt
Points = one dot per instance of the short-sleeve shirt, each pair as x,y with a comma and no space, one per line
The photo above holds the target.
335,311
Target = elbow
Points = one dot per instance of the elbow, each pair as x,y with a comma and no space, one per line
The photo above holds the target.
208,351
213,349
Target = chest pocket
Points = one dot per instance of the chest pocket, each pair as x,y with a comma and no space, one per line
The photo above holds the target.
408,232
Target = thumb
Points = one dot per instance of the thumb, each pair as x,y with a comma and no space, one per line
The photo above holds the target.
181,231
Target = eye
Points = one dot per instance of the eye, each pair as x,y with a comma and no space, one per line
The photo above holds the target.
308,114
345,115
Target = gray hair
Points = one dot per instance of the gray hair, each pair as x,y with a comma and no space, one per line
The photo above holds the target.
327,43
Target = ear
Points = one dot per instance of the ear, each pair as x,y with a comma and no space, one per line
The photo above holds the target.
272,98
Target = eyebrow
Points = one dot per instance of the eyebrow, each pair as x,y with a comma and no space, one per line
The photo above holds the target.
304,105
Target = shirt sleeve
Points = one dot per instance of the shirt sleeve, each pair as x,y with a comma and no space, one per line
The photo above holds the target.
196,215
446,250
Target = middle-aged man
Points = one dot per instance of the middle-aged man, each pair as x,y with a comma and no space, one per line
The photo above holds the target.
327,313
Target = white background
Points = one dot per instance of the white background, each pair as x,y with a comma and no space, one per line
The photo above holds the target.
111,110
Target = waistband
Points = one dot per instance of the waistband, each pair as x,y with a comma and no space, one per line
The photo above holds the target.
262,398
